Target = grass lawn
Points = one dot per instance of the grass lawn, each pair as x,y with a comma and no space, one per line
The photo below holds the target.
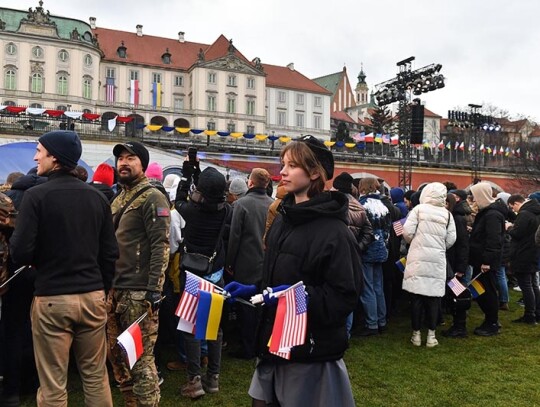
387,370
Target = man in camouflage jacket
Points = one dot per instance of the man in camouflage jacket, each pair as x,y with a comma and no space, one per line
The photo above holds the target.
7,223
142,232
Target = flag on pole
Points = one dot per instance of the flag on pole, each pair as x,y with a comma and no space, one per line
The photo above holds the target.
394,140
378,138
518,151
290,323
494,151
386,139
456,146
109,90
398,226
449,146
501,150
456,286
131,342
482,148
462,146
134,92
156,94
441,145
476,288
507,151
111,123
208,315
369,138
187,306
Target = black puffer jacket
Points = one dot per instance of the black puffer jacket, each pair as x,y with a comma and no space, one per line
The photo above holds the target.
486,239
523,257
21,185
458,254
311,242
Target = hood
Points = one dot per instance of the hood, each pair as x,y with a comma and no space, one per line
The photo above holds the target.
531,206
397,195
482,195
332,204
434,194
500,206
28,181
462,208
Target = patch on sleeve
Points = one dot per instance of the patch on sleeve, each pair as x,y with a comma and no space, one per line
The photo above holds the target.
162,212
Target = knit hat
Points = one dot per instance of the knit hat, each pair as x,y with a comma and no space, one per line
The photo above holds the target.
238,186
461,193
154,171
212,185
482,194
134,147
104,174
343,183
64,145
534,195
322,153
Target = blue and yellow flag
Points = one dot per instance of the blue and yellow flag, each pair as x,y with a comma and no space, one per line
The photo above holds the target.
208,315
476,288
401,264
156,94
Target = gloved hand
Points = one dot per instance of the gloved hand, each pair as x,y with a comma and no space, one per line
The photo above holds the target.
270,300
236,289
154,300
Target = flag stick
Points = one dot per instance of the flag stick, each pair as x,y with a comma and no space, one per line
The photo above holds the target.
470,282
13,276
282,293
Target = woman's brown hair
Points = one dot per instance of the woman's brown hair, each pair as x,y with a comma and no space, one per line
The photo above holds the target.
368,185
302,155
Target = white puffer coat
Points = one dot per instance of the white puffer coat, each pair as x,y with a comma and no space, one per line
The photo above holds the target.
430,229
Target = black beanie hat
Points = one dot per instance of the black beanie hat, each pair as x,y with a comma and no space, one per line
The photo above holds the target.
459,192
212,185
64,145
134,147
322,153
343,183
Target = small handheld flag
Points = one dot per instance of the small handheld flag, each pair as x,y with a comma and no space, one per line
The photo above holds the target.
476,288
398,226
401,264
208,315
456,286
131,341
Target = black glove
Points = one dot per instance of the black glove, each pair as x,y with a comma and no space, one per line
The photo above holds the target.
154,300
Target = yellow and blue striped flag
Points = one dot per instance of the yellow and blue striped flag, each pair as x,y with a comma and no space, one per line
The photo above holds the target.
208,315
476,288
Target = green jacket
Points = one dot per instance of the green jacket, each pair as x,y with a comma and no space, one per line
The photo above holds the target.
143,238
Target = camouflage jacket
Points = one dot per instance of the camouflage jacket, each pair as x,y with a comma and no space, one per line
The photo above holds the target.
143,238
7,223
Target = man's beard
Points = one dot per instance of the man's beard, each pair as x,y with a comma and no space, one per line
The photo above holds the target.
128,178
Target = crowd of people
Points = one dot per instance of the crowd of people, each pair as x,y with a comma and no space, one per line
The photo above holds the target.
85,260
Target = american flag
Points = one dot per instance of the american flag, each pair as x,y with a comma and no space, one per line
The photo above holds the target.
109,89
187,307
456,286
291,321
398,226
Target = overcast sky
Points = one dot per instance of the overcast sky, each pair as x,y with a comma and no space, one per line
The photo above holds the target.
489,49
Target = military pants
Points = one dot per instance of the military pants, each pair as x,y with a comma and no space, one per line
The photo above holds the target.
138,385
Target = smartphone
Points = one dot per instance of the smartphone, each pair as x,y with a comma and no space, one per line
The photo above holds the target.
192,154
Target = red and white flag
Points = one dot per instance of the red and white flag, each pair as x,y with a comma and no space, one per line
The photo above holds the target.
134,92
187,307
131,341
290,323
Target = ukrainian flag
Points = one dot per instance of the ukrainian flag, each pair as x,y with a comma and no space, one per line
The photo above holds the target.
476,288
401,264
209,313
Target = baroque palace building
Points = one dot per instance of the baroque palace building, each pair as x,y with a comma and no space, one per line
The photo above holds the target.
61,63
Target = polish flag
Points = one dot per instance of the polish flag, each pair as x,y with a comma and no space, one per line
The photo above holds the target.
131,342
134,92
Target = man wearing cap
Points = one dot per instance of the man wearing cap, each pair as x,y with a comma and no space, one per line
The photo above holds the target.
141,219
64,229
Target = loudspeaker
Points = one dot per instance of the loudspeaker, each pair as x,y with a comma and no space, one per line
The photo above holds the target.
417,124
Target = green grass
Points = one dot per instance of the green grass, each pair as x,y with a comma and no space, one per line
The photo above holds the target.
387,370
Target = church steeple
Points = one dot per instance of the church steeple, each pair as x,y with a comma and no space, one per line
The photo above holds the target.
362,89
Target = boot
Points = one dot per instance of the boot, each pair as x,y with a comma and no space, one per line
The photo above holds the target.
431,340
193,389
210,383
416,338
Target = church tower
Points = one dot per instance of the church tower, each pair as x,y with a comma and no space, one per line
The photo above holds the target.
362,90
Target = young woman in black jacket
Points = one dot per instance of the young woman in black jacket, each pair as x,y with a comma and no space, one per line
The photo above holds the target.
310,242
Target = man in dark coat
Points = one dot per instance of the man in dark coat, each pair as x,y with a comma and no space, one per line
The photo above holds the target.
524,256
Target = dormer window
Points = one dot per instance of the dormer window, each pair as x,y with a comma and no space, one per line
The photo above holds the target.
166,57
121,50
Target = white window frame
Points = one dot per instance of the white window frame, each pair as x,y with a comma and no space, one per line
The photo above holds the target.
10,79
299,99
110,73
88,60
250,83
231,105
212,103
87,88
231,80
250,107
36,83
179,80
281,118
63,55
300,120
317,101
212,77
62,84
282,96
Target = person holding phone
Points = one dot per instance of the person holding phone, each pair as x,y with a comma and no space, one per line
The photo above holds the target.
190,176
